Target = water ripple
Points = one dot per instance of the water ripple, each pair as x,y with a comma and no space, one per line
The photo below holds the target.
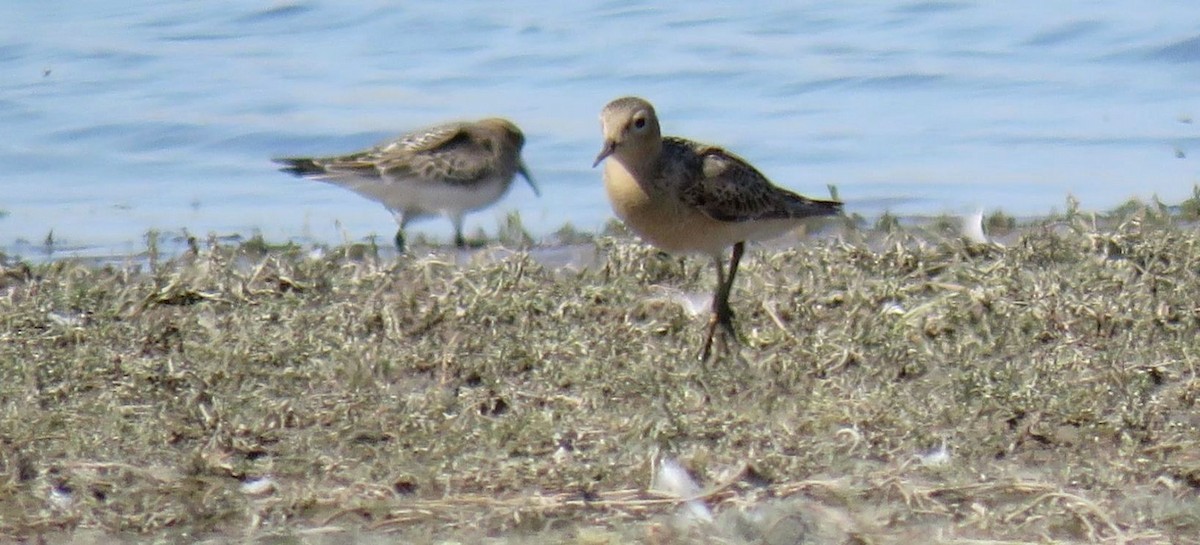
139,136
13,52
922,8
1183,51
274,13
1064,33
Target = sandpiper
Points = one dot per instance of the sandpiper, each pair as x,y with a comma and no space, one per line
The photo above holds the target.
686,197
448,169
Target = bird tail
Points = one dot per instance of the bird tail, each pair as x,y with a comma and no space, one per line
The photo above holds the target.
300,166
804,207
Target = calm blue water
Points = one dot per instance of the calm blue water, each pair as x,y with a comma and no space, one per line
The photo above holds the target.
122,117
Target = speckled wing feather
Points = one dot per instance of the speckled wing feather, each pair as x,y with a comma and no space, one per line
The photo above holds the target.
424,140
455,158
440,154
726,188
414,155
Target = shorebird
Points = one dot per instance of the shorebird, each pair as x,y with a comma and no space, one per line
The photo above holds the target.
685,197
448,169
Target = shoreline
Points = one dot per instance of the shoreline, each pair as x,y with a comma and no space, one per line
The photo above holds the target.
511,233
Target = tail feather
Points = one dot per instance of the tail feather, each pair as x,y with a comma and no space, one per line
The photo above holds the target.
300,166
803,207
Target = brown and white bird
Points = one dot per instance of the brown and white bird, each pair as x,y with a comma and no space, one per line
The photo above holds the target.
448,169
686,197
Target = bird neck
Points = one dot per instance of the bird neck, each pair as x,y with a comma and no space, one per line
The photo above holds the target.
642,160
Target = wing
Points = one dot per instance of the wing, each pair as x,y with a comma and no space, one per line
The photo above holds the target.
456,159
424,140
388,156
726,188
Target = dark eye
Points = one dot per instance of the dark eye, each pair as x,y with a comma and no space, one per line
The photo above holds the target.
640,123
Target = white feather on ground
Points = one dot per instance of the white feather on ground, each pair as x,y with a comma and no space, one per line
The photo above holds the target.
671,478
973,228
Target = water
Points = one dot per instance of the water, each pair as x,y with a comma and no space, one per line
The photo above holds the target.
124,117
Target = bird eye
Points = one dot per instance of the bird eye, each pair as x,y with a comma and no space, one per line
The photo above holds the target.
640,123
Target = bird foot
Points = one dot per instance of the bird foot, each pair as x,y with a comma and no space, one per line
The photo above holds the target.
728,335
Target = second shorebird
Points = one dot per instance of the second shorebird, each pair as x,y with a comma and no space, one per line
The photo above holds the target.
448,169
687,197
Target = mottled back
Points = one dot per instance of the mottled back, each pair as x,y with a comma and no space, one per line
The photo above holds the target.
460,153
726,188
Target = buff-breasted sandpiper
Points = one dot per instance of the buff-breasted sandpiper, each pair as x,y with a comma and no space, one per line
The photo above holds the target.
448,169
686,197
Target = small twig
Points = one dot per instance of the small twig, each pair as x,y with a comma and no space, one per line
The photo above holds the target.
769,306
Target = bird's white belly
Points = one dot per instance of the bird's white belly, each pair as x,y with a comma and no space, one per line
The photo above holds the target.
426,196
